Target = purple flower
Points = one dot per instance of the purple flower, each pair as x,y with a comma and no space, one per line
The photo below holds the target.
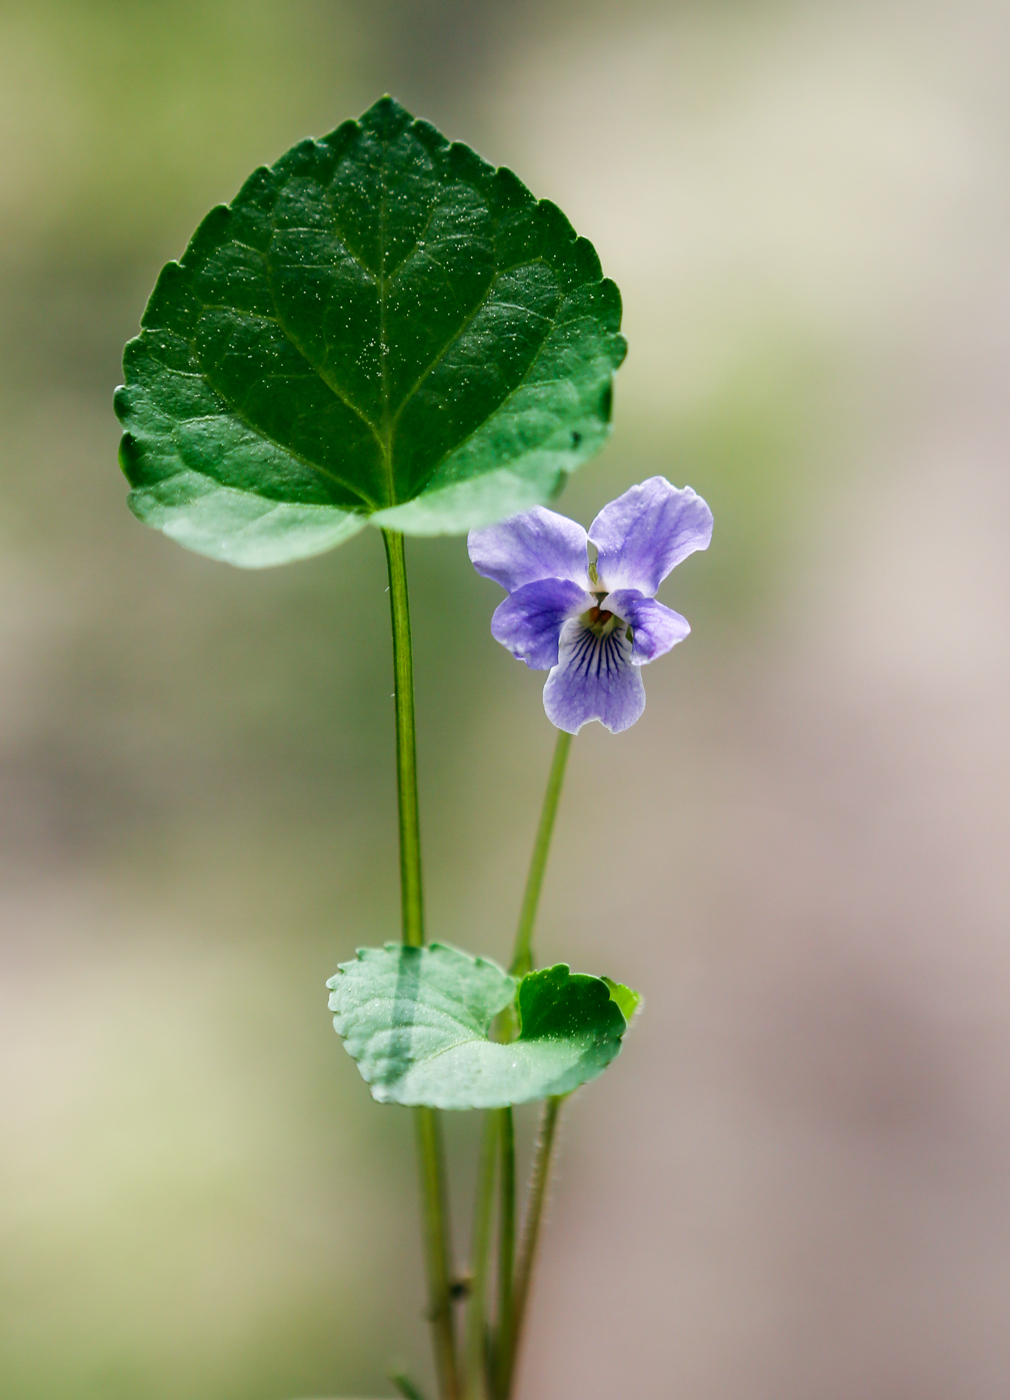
592,622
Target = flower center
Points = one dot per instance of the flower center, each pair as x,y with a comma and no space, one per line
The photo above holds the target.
600,620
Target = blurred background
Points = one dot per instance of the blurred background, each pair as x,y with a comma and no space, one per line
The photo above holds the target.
794,1183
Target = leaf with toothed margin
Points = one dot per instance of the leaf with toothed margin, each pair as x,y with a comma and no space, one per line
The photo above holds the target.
379,328
418,1023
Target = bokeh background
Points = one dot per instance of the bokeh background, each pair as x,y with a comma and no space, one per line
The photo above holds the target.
795,1183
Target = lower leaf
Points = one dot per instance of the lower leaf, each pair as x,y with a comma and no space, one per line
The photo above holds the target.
418,1022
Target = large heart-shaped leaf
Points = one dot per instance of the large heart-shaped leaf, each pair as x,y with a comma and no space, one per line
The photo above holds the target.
418,1022
379,327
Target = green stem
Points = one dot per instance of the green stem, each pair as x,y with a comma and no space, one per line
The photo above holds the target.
516,1290
431,1163
539,1179
436,1248
506,1250
411,894
522,957
475,1385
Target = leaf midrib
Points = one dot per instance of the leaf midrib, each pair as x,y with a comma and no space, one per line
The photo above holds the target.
385,438
385,434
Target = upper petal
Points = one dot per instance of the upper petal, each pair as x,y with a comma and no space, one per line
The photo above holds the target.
594,679
529,621
537,544
655,628
646,532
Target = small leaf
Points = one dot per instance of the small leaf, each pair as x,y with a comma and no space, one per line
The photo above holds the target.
379,327
418,1022
626,999
406,1387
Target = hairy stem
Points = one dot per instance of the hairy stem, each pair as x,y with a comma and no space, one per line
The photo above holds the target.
506,1250
539,1179
476,1385
435,1206
431,1161
522,956
516,1290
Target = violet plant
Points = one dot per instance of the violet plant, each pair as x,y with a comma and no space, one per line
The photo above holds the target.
381,329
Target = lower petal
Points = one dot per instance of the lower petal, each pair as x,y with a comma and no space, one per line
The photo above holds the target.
594,679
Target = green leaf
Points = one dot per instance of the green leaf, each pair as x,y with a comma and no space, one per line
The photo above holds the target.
381,327
406,1387
626,999
418,1022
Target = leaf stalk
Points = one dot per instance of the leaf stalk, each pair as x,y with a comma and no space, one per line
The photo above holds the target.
411,892
431,1156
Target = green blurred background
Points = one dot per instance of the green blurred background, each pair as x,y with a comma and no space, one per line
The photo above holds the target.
794,1182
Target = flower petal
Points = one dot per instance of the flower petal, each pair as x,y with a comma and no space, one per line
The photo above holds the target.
529,621
646,532
594,679
656,628
537,544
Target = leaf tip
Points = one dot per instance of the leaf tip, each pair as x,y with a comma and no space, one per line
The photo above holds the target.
628,1001
386,117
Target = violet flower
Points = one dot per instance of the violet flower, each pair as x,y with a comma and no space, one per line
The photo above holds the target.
593,622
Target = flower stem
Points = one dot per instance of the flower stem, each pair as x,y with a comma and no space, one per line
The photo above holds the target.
506,1250
539,1178
522,956
431,1162
476,1379
514,1290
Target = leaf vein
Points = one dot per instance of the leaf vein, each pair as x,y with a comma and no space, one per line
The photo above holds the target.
290,338
460,331
281,446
